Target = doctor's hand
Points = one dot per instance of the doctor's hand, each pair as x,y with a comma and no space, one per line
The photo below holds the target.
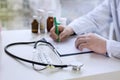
65,32
91,41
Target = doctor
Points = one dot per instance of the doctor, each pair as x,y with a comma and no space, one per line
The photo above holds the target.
105,14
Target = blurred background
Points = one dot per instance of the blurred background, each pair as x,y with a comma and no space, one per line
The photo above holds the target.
17,14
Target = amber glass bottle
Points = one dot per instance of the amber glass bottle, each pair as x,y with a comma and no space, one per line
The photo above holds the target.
50,21
34,25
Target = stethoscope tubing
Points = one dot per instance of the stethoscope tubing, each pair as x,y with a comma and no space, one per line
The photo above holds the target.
30,61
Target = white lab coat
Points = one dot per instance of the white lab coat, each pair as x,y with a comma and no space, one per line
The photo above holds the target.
102,16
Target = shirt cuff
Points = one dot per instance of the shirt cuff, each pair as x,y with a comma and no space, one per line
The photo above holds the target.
108,48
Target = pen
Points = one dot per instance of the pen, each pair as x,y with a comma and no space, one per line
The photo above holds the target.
56,28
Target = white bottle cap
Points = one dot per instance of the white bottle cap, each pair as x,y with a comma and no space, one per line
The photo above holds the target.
50,13
40,12
35,17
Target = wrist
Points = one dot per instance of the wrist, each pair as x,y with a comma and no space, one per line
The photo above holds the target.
70,31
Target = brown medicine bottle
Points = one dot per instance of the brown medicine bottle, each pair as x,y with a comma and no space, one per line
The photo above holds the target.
50,20
35,25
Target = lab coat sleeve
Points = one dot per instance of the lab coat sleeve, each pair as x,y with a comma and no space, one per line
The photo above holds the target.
113,48
93,21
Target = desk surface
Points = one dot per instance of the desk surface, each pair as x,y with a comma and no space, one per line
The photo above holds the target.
94,65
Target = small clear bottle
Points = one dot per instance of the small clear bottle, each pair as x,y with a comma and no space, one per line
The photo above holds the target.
50,20
41,14
34,25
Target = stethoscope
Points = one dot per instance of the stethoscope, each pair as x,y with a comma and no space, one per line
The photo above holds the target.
46,65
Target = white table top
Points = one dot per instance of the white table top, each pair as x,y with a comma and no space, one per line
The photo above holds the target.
94,65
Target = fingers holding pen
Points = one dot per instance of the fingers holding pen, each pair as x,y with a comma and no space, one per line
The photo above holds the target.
66,33
53,35
63,36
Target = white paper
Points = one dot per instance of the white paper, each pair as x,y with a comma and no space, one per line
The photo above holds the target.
67,47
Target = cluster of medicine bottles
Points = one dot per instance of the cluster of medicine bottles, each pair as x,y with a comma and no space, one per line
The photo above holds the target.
44,21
